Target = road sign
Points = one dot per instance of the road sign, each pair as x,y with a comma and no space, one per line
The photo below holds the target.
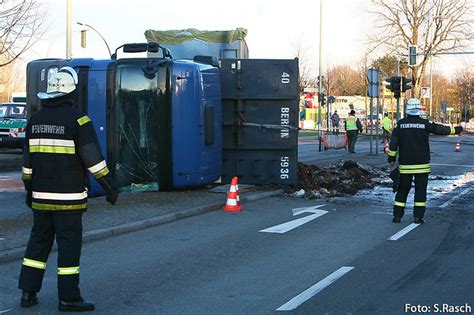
425,92
444,105
412,55
373,77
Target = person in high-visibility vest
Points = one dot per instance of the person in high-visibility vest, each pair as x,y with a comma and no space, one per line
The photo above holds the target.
353,127
386,128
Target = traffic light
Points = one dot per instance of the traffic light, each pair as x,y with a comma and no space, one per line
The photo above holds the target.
411,55
394,85
322,98
406,84
83,38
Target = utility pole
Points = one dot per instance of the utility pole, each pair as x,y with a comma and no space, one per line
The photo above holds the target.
398,98
69,29
431,87
320,69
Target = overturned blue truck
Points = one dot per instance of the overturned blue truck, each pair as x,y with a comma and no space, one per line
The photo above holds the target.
178,123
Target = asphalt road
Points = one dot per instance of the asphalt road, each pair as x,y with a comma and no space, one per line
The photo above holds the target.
347,259
219,263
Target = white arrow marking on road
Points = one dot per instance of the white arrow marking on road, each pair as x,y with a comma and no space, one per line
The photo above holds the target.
288,226
315,289
403,232
297,211
450,201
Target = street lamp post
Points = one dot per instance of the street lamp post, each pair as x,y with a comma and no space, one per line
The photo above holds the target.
320,90
68,29
88,26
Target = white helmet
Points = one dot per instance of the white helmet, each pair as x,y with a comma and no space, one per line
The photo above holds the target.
414,108
60,83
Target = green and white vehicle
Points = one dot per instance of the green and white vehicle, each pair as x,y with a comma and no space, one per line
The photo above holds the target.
13,121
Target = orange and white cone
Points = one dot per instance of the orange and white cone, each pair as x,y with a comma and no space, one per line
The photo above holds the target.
458,147
233,200
387,148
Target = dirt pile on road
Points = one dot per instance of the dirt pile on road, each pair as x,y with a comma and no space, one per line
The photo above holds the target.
336,180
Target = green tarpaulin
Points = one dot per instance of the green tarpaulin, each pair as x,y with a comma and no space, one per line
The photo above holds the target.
176,37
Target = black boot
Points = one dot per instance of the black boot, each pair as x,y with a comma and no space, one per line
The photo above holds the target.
396,220
419,221
28,299
76,306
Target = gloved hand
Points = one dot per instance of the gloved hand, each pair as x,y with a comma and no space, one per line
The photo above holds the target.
458,129
391,159
112,196
29,198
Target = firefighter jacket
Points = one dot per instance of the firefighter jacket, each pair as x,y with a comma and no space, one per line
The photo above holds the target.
60,146
410,140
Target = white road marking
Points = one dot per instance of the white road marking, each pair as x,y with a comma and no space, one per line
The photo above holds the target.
2,239
454,165
288,226
5,311
297,211
403,232
450,201
315,289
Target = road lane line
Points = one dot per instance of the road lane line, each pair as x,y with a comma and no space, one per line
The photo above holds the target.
5,311
453,165
450,201
403,232
288,226
315,289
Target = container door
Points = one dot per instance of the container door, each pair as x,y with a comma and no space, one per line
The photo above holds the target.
141,126
260,120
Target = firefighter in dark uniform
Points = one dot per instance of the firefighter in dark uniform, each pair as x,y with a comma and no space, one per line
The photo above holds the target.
410,140
60,146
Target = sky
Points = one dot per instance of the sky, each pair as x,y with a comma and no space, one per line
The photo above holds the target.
276,28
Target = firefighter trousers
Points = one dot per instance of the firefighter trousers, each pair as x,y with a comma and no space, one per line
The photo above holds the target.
67,228
352,139
421,183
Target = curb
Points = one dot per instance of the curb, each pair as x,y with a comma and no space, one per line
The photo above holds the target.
11,165
17,253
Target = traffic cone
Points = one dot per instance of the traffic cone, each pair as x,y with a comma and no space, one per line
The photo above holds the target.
387,148
458,146
233,199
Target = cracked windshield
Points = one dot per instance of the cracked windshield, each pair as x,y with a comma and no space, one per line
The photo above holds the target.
137,107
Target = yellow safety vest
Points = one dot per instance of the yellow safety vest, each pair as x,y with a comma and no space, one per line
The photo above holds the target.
351,123
387,124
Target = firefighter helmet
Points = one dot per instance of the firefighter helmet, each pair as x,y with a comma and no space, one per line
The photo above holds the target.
60,83
414,108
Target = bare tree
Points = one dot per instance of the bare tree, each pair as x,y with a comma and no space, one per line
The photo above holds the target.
21,25
305,76
12,79
465,86
433,25
343,80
